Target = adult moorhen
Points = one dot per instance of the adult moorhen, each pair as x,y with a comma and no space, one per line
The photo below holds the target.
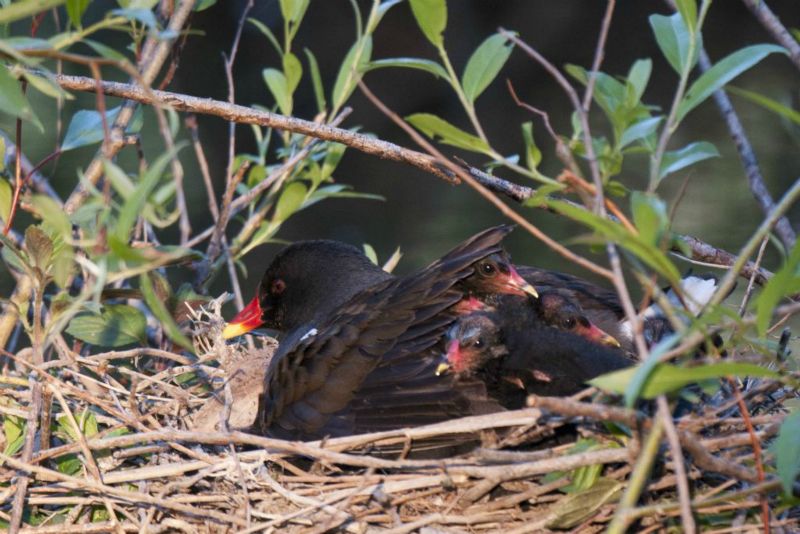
359,353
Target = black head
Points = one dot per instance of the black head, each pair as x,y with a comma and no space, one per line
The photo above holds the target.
560,311
471,343
305,281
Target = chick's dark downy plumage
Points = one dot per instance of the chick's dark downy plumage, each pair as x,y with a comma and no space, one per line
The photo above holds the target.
513,362
359,354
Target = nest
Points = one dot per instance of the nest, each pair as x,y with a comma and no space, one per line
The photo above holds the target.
147,440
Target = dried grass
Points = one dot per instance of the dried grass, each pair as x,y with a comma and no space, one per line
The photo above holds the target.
170,454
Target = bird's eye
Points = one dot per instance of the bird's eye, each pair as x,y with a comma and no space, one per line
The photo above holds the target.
568,323
277,286
487,269
478,343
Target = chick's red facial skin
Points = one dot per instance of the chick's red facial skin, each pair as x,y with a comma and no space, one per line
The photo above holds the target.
469,305
593,333
496,274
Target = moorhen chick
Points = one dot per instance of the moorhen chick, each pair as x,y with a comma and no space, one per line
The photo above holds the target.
514,362
359,354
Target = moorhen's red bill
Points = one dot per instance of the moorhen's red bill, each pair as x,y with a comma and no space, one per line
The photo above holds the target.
514,362
360,352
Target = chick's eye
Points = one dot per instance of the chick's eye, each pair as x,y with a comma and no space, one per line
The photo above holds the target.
487,269
478,343
277,286
569,322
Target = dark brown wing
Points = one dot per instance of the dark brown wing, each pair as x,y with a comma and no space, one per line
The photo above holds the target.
373,340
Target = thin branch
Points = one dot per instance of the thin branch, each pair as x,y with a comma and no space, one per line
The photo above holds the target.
684,496
773,25
18,507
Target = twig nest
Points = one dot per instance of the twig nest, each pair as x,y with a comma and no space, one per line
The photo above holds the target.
233,402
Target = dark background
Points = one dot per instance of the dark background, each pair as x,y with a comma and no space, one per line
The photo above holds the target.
424,215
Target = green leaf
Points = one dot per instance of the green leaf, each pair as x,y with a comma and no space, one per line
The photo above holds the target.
115,326
279,87
666,378
355,63
676,160
787,451
785,282
14,433
316,80
13,101
431,16
370,253
533,156
639,75
688,12
134,204
576,508
86,128
674,39
293,70
434,127
639,130
104,50
426,65
6,195
159,309
293,10
267,33
75,10
767,103
649,216
613,231
26,8
291,199
46,84
484,65
721,73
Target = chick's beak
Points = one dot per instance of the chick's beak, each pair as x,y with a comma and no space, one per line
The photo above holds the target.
520,284
246,320
452,357
600,336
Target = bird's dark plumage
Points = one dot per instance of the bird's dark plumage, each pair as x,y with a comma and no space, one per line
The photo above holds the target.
368,364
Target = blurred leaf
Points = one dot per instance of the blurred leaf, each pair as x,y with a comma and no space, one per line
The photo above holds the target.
279,87
142,15
75,10
688,12
355,63
666,378
45,84
721,73
291,199
787,451
676,160
135,203
649,216
6,195
293,70
104,50
14,433
431,16
13,101
369,252
434,127
426,65
161,312
393,260
69,464
639,75
647,252
533,156
674,39
785,282
267,33
638,130
54,219
316,80
767,103
26,8
115,326
86,128
293,10
39,247
484,65
202,5
13,256
576,508
333,156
